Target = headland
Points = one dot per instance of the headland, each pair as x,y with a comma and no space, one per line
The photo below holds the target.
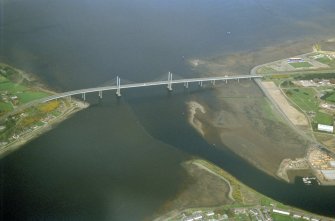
20,124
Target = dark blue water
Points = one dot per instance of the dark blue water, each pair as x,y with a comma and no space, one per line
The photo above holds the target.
120,160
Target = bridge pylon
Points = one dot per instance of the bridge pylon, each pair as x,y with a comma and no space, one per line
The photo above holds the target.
118,84
169,86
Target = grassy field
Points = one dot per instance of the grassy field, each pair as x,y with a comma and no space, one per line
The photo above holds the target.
324,60
324,118
330,97
11,85
304,98
265,70
27,96
327,61
311,76
4,107
301,65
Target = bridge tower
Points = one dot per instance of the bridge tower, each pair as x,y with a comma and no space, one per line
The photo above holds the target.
169,86
118,84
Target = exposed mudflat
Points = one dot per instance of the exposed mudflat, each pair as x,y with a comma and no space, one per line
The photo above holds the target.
203,188
240,115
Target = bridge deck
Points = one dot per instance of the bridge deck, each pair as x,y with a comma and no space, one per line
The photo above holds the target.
146,84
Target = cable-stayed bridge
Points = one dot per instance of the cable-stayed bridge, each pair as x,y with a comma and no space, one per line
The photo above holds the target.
169,82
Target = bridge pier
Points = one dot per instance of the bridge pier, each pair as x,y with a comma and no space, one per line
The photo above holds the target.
100,94
118,84
213,82
200,83
169,86
83,95
226,81
186,84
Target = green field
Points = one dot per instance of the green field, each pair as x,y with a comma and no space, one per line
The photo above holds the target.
265,70
330,97
304,98
301,65
9,88
28,96
312,76
327,61
4,107
323,118
324,60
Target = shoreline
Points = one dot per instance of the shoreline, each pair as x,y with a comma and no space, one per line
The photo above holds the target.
284,108
297,126
76,106
70,107
202,166
250,201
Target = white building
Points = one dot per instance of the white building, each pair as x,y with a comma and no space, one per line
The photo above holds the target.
328,174
326,128
281,212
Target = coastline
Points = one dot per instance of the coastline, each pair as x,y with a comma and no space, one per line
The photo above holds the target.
247,202
227,126
67,108
76,106
296,117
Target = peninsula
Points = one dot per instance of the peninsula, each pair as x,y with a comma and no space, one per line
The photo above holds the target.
18,123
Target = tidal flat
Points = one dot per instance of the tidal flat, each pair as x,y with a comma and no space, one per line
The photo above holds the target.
242,118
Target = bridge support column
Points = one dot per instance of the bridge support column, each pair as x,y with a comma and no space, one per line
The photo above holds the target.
200,83
100,94
226,81
118,84
83,95
213,82
169,86
238,80
186,84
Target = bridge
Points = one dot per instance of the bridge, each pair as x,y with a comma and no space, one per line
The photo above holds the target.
168,84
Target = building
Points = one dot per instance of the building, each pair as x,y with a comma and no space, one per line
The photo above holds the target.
281,212
326,128
292,60
328,174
